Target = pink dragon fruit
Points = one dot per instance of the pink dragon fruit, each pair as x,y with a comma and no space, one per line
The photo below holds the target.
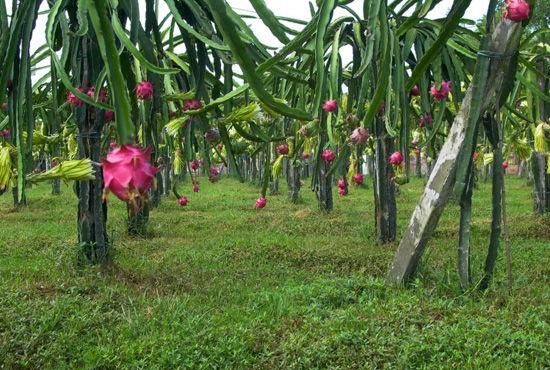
5,133
183,201
505,165
343,192
194,164
212,135
192,104
396,158
415,91
443,92
358,179
328,155
214,174
260,203
330,106
144,90
342,183
425,120
283,149
359,136
73,100
102,94
109,116
128,172
517,10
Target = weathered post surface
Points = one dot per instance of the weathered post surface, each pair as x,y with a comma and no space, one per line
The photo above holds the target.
504,42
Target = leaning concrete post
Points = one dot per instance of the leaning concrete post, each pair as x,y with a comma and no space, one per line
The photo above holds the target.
504,41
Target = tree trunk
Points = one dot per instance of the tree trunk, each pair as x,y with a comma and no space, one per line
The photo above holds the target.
541,183
384,187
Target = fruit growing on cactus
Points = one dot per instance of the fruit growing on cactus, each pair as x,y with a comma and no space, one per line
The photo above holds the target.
517,10
194,164
109,116
282,149
192,104
505,165
102,96
128,173
214,174
443,92
330,106
5,133
73,100
358,179
144,90
396,159
212,135
359,136
415,91
425,120
328,155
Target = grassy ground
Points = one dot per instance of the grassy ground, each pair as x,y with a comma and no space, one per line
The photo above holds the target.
221,285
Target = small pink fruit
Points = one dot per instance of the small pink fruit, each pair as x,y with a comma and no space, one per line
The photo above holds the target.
359,136
330,106
283,149
5,133
343,192
415,91
194,164
342,183
102,94
109,116
192,104
328,155
144,90
183,201
425,120
396,158
73,100
358,179
443,92
505,165
517,10
260,203
214,174
212,135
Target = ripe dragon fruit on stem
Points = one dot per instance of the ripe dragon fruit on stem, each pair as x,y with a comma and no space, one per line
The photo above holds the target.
396,158
129,174
330,106
517,10
144,90
283,149
443,92
358,179
328,155
359,136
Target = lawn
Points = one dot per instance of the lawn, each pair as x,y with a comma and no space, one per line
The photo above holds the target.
220,285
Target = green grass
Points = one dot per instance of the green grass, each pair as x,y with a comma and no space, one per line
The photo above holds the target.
222,285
